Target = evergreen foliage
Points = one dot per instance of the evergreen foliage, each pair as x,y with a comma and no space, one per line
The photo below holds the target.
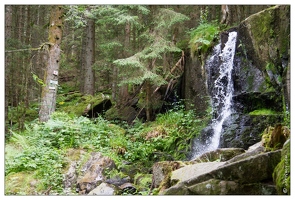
158,45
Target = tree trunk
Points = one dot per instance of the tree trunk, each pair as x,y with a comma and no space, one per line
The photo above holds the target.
8,34
89,59
148,100
48,98
123,91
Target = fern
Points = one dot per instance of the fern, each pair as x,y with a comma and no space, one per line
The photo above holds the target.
202,38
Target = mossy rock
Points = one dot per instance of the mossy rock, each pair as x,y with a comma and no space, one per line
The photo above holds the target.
162,174
126,113
143,182
281,174
80,105
273,138
270,32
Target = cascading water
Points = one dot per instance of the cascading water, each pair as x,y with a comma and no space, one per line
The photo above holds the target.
221,94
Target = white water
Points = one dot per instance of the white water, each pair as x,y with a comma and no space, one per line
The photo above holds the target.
223,90
222,93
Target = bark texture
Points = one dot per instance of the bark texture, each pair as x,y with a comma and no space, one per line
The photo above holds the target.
89,58
48,98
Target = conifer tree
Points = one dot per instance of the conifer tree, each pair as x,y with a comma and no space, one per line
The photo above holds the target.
145,67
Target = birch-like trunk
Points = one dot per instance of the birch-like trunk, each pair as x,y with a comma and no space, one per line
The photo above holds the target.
48,98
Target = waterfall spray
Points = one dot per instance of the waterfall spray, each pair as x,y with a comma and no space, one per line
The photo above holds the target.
221,94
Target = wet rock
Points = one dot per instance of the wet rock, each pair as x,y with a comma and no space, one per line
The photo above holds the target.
92,172
245,130
220,155
105,189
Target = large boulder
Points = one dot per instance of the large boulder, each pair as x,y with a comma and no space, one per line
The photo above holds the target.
227,178
93,172
221,187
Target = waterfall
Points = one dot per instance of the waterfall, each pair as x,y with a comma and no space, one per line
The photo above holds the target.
221,91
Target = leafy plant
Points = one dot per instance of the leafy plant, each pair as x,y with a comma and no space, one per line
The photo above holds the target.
42,146
202,37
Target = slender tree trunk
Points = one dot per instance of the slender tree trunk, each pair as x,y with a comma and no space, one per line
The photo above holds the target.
89,58
48,98
124,94
115,83
8,34
148,109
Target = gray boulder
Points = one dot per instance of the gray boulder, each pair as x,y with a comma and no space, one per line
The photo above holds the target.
105,189
92,172
236,176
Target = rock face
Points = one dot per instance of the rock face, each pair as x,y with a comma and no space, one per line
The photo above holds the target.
262,62
194,86
260,77
231,177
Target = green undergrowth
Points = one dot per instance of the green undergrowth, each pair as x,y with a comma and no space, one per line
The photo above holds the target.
40,152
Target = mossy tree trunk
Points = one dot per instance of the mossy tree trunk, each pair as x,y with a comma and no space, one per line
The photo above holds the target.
48,98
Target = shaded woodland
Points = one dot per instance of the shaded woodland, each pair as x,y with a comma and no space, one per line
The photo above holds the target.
119,50
147,99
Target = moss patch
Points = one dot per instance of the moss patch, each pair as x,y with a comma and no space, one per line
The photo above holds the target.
263,112
281,174
273,138
78,104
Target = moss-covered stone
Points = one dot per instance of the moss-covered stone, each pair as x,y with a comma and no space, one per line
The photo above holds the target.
80,105
281,174
273,138
143,182
126,114
269,31
162,174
